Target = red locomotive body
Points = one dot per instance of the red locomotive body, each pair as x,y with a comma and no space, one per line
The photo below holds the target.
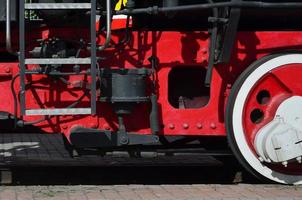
145,72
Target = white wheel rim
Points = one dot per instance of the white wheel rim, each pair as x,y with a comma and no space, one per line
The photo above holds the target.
237,119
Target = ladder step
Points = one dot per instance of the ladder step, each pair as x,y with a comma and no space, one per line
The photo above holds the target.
53,6
62,111
57,61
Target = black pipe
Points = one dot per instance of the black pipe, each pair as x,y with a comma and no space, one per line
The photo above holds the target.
250,4
130,4
154,121
212,46
154,114
170,3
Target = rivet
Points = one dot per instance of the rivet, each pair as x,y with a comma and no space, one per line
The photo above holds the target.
171,126
199,125
213,125
185,126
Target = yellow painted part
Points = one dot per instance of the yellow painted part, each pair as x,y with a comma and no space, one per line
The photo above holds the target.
120,3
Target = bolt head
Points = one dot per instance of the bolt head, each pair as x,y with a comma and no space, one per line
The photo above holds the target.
124,140
185,125
213,126
199,125
171,126
285,163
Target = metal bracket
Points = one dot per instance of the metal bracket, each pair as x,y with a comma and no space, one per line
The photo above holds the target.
82,137
223,36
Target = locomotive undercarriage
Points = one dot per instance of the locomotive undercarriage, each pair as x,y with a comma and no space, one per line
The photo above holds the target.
144,83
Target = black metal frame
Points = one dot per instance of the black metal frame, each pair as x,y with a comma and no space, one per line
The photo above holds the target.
93,56
22,55
81,137
223,36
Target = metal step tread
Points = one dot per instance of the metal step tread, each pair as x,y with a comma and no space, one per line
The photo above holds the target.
57,61
58,111
52,6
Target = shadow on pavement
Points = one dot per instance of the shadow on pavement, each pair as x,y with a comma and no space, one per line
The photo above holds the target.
130,175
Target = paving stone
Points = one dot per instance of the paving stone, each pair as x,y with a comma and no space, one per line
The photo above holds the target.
8,193
95,195
111,195
76,195
151,192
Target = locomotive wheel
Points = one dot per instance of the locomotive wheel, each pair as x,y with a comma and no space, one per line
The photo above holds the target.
254,102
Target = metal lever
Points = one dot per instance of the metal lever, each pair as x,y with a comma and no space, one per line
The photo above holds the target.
108,26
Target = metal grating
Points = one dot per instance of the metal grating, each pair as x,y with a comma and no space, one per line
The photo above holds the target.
51,6
58,61
56,112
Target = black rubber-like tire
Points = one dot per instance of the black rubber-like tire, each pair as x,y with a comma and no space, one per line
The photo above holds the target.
229,112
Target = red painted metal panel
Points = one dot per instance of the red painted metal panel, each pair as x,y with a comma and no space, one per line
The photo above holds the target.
174,49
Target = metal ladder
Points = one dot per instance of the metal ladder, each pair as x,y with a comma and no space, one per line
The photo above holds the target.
23,61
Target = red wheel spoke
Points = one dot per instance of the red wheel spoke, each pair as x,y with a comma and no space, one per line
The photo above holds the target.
280,81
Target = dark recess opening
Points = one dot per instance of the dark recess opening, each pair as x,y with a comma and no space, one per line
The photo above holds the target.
263,97
257,116
186,87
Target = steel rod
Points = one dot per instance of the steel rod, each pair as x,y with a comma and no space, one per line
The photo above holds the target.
250,4
108,26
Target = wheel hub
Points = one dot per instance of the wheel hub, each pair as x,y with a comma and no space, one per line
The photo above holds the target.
280,141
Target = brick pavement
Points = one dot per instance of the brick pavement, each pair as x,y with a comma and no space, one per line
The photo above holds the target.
150,192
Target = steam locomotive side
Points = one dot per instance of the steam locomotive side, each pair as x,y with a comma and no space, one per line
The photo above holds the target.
120,74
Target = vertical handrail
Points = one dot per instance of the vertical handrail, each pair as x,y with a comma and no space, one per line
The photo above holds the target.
8,28
22,55
108,26
93,56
